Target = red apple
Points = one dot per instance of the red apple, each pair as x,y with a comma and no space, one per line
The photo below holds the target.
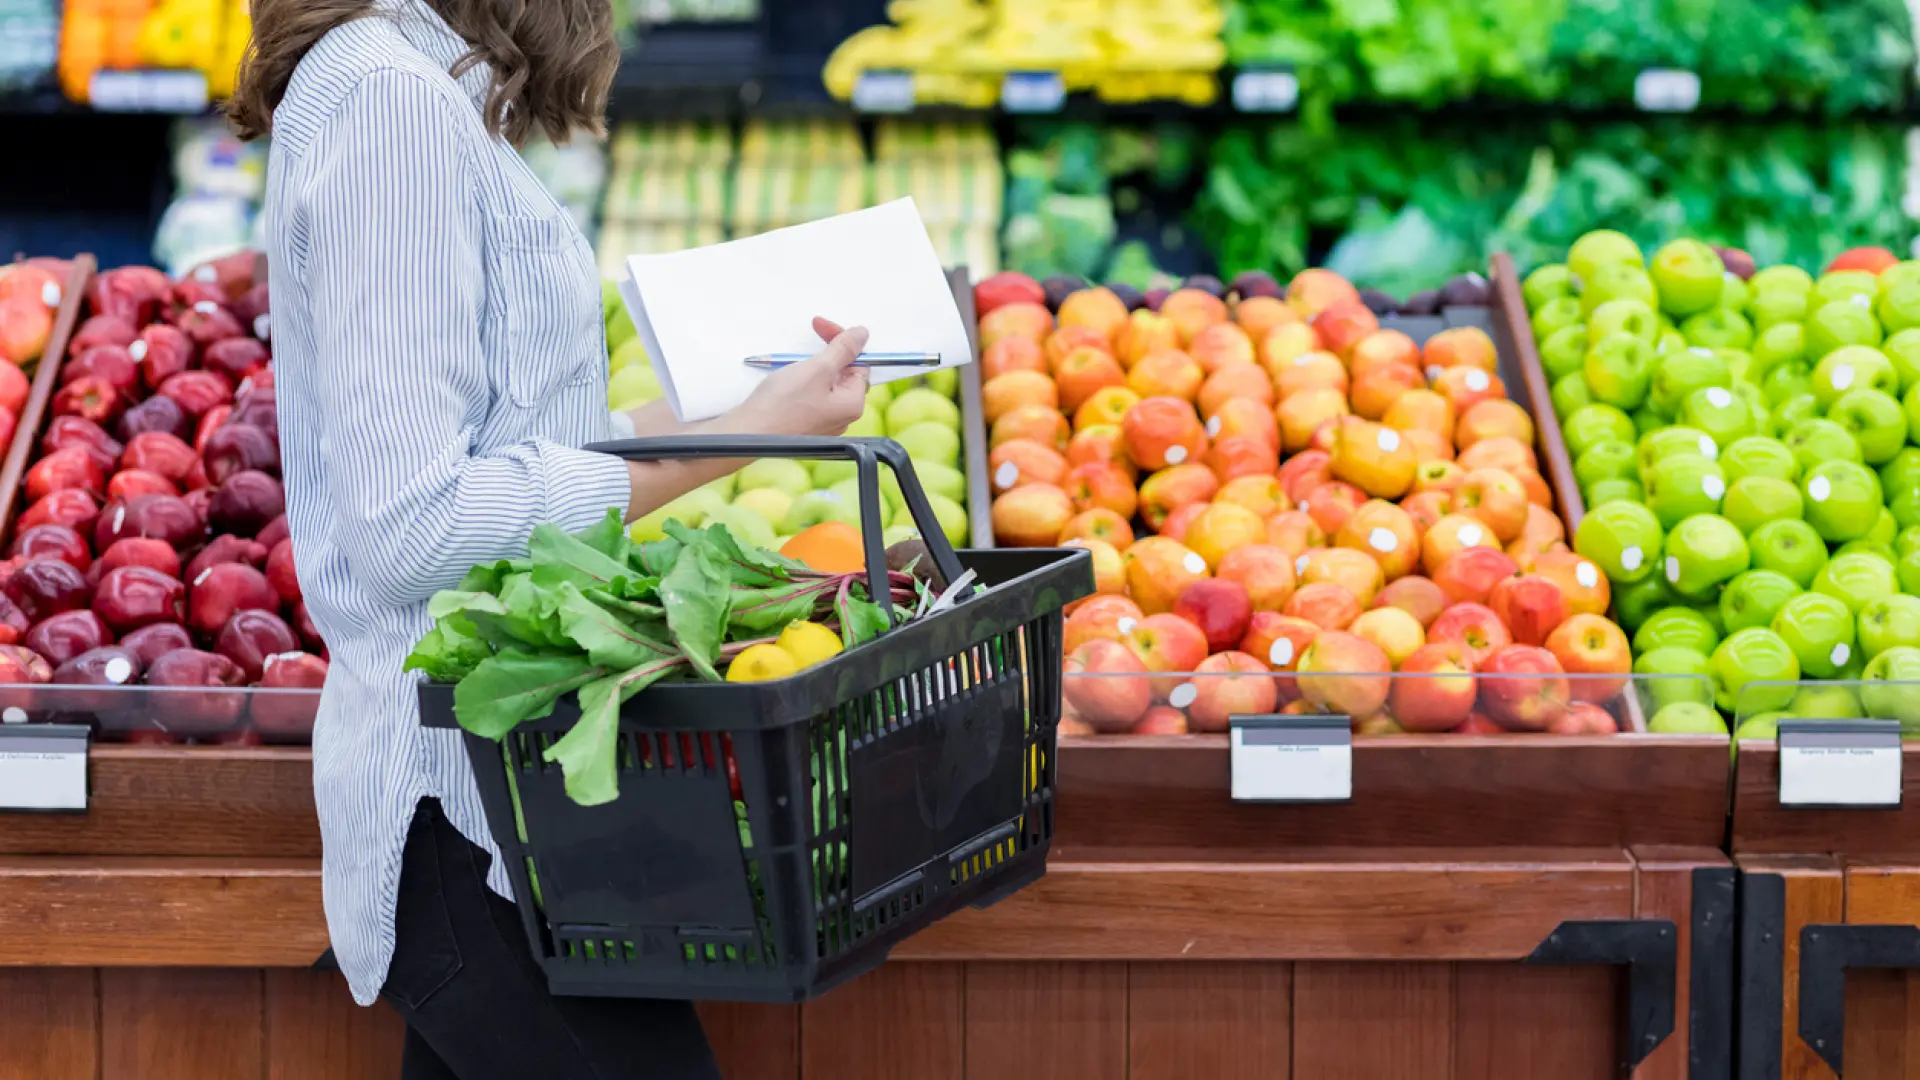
1531,605
1523,688
1469,575
1593,650
1161,720
1435,690
1344,673
1415,595
1167,643
1230,684
1584,718
1105,687
1220,608
1473,627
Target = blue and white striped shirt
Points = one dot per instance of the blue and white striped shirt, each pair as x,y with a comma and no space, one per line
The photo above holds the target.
440,354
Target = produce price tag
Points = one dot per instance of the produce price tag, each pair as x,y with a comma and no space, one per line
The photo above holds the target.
43,767
149,91
1291,759
883,92
1840,764
1666,90
1266,91
1033,92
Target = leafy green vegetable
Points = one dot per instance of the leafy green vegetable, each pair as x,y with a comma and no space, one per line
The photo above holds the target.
514,685
697,597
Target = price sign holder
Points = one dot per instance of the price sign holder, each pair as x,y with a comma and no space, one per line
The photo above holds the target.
1266,90
886,91
1840,764
149,91
1291,759
43,768
1666,90
1033,92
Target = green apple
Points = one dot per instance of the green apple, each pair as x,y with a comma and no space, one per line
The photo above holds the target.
1875,420
1853,367
690,510
1825,703
1839,324
1607,491
1759,455
632,387
1883,533
848,492
1686,718
1719,412
1565,352
1657,446
1618,281
1752,672
881,395
1610,460
872,424
1718,328
1734,293
1764,727
1790,546
782,474
1883,552
1820,631
1898,306
940,479
1689,275
1787,383
772,504
1632,317
1638,602
1891,687
1912,406
747,526
1844,285
1907,569
899,534
1752,598
1817,441
1622,538
1889,621
1669,342
1676,628
1752,501
1702,553
1780,345
1599,248
1710,609
1682,485
1785,277
921,406
1682,373
930,442
943,381
725,486
1546,283
1556,315
1902,350
1843,499
828,473
1777,307
1672,675
952,517
1569,393
1900,273
1646,419
1856,579
1619,370
1590,425
1907,539
1741,369
815,507
630,353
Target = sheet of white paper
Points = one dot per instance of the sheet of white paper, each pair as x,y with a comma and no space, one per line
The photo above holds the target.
702,312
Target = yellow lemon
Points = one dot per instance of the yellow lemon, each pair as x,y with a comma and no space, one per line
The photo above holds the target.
760,663
808,643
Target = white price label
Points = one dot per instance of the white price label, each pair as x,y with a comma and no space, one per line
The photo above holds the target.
148,91
1266,91
883,92
1840,763
1666,90
1033,92
1291,758
43,767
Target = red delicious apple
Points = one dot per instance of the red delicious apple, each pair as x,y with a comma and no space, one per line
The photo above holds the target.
207,322
73,508
251,637
287,716
150,643
107,665
62,637
257,409
13,622
219,591
226,549
102,330
101,448
46,586
1219,607
238,446
162,517
1435,690
20,666
65,470
1531,605
157,413
90,398
198,391
128,484
202,713
161,453
236,358
1105,686
1230,684
1588,646
280,572
141,551
309,633
54,542
163,352
134,293
276,531
247,500
135,596
1473,627
209,424
1523,688
111,363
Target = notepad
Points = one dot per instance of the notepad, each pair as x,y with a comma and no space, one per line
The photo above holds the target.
701,312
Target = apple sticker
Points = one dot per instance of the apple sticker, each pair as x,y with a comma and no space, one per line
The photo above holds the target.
1842,376
1701,350
1861,300
1586,575
1708,448
1434,371
1471,534
50,294
1819,488
1712,487
1383,540
1389,440
1176,454
1631,558
1839,655
1183,695
1673,569
1126,624
1007,475
138,350
14,715
1281,654
118,670
1477,380
1300,565
1194,564
1213,427
1719,397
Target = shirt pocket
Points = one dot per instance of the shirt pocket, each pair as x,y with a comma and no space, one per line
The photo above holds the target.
549,306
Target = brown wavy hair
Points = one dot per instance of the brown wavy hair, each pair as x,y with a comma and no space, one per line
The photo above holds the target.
552,60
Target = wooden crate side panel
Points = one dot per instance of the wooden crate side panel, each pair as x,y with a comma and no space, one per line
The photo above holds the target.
315,1031
1813,896
1061,1021
1512,1020
49,1023
899,1021
1363,1021
753,1042
1223,1021
181,1024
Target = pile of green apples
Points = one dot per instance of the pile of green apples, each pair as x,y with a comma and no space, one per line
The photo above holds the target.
770,500
1745,444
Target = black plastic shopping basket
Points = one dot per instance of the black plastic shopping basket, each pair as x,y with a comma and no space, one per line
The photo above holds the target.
877,792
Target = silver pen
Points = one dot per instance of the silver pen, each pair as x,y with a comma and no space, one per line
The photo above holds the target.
775,361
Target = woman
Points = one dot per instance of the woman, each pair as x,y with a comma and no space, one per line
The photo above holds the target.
440,358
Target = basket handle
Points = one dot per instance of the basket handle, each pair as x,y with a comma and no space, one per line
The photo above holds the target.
866,454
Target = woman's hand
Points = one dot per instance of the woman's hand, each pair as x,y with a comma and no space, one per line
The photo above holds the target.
819,396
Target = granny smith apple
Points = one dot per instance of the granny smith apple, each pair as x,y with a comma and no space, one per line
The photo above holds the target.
920,406
940,479
1646,419
930,441
1686,718
1741,369
748,526
1702,553
1907,539
1839,324
1753,671
1671,675
897,534
1790,546
828,473
952,518
943,381
1622,538
1816,441
1564,352
1843,499
1569,393
817,507
1874,419
1676,628
1907,569
1718,328
1618,282
1765,727
1556,315
1899,273
1902,350
1719,412
1607,491
1852,367
690,510
1845,285
1638,602
1826,703
1710,608
1670,342
1777,307
1783,345
1689,275
1734,293
1856,579
1752,598
1891,687
1884,531
1546,283
1784,277
782,474
633,386
1682,373
1784,387
1610,460
1889,621
1820,631
1619,370
1599,248
1759,455
1752,501
1682,485
1631,317
1883,552
771,504
1898,306
1656,446
1593,424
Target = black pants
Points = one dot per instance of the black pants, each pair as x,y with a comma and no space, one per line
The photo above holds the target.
476,1003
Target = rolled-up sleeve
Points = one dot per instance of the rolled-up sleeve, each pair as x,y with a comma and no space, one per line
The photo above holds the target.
394,240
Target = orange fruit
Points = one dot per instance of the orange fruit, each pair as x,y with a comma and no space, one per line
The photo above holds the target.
831,547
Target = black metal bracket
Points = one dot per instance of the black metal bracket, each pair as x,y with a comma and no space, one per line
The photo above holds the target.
1826,952
1649,949
1759,967
1711,946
